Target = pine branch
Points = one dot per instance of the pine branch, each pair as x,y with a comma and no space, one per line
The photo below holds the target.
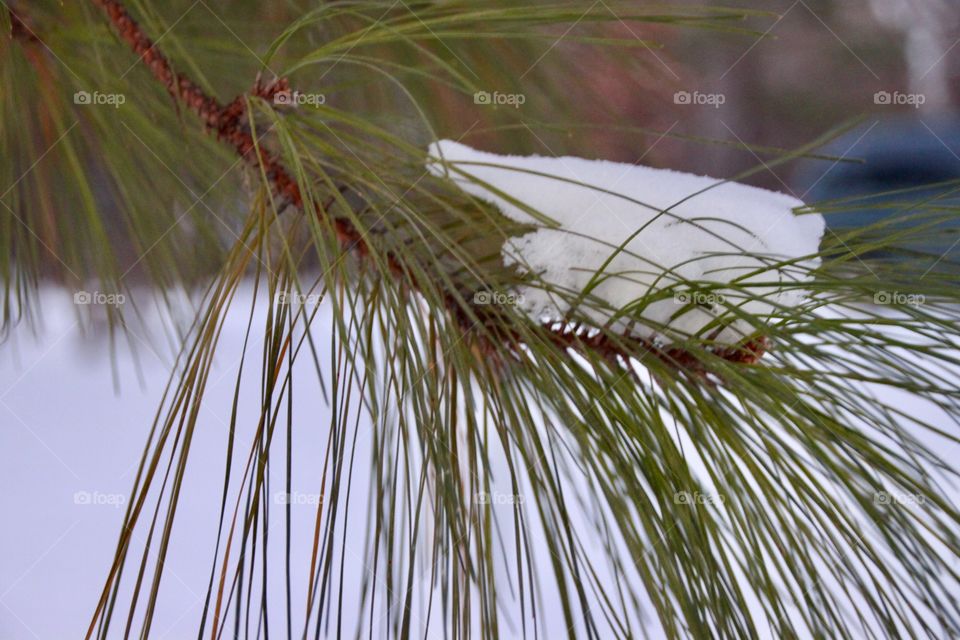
225,121
800,452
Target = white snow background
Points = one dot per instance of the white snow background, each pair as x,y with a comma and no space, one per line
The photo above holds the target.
69,445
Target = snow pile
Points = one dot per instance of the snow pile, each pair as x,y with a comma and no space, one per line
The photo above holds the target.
674,251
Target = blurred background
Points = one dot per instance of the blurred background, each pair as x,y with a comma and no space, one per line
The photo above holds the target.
819,64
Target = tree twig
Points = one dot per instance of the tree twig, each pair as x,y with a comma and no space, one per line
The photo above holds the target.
226,122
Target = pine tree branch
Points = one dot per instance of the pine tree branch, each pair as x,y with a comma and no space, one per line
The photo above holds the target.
225,121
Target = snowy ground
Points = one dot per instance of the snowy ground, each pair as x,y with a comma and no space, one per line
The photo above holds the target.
68,448
73,430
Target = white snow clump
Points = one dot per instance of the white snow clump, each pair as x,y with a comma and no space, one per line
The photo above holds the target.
674,251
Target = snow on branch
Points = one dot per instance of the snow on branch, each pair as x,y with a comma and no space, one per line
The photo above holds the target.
651,253
487,329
